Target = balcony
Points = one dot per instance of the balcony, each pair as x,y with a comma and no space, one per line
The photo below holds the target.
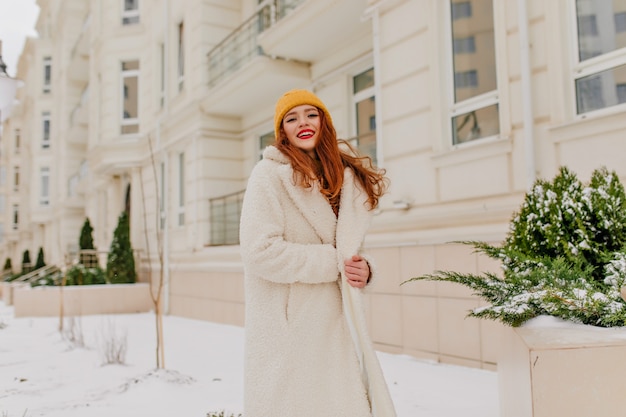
79,118
242,77
117,156
78,69
313,29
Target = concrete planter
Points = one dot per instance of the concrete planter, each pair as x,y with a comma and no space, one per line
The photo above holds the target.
558,369
81,300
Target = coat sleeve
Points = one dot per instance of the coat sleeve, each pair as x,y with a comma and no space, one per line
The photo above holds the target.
265,252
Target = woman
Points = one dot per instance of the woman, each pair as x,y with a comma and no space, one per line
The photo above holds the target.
305,214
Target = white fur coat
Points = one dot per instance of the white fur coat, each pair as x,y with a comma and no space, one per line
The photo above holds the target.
308,353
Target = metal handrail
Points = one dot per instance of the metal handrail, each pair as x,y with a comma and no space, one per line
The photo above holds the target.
241,46
224,215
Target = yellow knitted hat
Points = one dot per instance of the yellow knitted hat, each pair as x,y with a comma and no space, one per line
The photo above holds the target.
294,98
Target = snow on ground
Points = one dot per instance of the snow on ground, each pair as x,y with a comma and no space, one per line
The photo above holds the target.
43,373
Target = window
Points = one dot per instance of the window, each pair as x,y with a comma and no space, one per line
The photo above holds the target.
130,97
162,198
16,178
364,105
18,139
620,22
130,12
600,67
474,100
181,189
181,56
45,122
44,198
16,216
162,87
47,74
621,93
264,141
3,203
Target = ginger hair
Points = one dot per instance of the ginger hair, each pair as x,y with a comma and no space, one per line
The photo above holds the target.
330,164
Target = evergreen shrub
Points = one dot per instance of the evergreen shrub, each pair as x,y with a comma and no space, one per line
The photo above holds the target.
80,274
564,255
120,260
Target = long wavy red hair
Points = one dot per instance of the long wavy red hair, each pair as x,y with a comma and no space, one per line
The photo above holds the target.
329,168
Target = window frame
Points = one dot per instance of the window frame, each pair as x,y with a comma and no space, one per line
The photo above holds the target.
180,58
46,125
16,178
481,101
162,199
15,217
47,75
588,67
180,209
17,141
44,194
129,16
124,74
355,99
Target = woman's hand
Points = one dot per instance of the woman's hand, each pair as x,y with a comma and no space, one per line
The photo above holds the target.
357,271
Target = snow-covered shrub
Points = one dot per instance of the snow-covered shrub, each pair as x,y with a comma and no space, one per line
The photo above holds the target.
564,255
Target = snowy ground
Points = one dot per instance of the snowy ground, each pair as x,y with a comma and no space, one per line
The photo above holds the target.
43,373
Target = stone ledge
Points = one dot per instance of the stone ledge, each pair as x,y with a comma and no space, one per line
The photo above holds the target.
82,300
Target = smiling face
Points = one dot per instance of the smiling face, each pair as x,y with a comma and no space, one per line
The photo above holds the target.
301,125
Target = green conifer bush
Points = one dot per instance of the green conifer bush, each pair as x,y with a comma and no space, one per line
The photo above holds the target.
85,242
564,255
40,263
120,261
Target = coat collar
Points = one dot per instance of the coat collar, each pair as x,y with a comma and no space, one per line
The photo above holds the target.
309,201
354,217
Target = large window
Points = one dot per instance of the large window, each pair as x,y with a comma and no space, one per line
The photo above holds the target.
130,97
47,74
130,12
600,70
474,98
45,127
364,102
44,198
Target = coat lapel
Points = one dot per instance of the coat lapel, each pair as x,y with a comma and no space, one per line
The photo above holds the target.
311,204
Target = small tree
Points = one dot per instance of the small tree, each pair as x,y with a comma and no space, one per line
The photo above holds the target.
40,259
26,266
85,243
120,261
7,266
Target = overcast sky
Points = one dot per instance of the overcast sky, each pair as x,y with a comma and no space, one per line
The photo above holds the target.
17,21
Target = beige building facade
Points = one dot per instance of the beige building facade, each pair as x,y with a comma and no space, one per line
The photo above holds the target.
162,108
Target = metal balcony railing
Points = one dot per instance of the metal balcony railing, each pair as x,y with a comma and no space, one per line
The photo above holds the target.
241,45
225,213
